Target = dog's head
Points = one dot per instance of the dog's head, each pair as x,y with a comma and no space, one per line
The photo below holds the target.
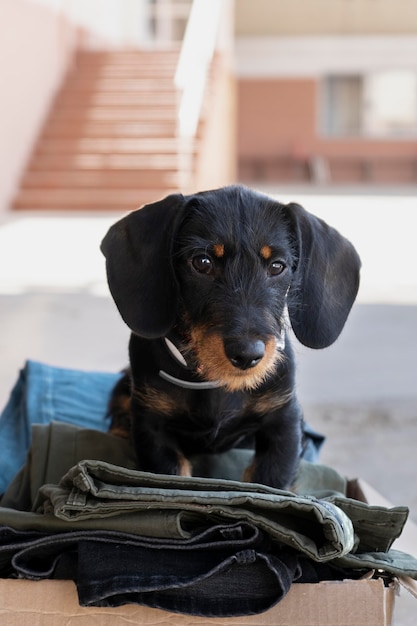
224,266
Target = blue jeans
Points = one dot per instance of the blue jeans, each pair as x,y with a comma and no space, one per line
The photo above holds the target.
42,394
222,571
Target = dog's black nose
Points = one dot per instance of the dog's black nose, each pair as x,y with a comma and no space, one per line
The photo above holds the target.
244,354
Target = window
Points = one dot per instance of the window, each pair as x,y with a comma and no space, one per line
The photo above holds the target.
391,103
381,104
342,105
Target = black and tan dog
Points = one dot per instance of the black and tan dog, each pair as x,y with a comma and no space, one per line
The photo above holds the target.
208,284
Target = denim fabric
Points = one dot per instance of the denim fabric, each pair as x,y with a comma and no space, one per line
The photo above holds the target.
313,443
44,393
76,555
221,582
223,571
34,555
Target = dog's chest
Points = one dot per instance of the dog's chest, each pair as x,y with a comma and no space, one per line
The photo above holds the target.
214,421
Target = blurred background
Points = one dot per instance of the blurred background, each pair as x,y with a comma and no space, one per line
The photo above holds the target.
109,104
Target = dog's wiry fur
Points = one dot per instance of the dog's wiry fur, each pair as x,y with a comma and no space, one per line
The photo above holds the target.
222,274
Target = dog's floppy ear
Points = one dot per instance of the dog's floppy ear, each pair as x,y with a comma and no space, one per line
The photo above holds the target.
138,251
327,280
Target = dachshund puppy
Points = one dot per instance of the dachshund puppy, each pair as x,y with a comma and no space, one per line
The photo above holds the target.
209,284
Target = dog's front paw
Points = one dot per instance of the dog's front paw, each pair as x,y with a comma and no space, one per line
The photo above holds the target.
173,464
184,466
248,473
268,475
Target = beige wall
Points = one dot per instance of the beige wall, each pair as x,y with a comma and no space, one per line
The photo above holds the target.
311,56
216,158
35,49
316,17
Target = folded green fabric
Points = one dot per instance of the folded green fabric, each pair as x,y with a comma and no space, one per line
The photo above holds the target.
55,448
395,562
95,489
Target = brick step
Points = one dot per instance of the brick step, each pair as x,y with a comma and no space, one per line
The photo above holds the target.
136,66
93,161
88,84
148,71
110,139
141,68
99,179
88,199
109,57
74,128
119,113
165,99
115,145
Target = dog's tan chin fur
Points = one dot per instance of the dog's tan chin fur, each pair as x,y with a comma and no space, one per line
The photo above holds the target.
215,366
244,381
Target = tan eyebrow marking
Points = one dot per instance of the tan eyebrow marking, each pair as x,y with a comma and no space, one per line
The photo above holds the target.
218,250
266,252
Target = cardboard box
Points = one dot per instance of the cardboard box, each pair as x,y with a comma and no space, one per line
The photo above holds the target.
55,603
348,603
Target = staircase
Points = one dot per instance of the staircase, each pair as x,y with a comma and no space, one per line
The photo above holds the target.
110,139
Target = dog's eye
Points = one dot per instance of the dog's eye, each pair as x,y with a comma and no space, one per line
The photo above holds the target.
275,268
202,264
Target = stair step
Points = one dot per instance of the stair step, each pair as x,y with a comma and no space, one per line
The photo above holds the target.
70,129
140,66
88,199
103,161
124,99
119,113
116,179
126,56
115,145
141,59
88,84
110,140
125,72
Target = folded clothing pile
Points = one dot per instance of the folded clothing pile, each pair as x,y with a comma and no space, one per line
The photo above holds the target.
209,545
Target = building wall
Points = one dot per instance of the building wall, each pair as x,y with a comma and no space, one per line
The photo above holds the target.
280,110
35,50
276,117
324,17
279,140
217,155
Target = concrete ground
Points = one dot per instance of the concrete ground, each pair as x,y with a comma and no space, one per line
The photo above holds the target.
361,392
